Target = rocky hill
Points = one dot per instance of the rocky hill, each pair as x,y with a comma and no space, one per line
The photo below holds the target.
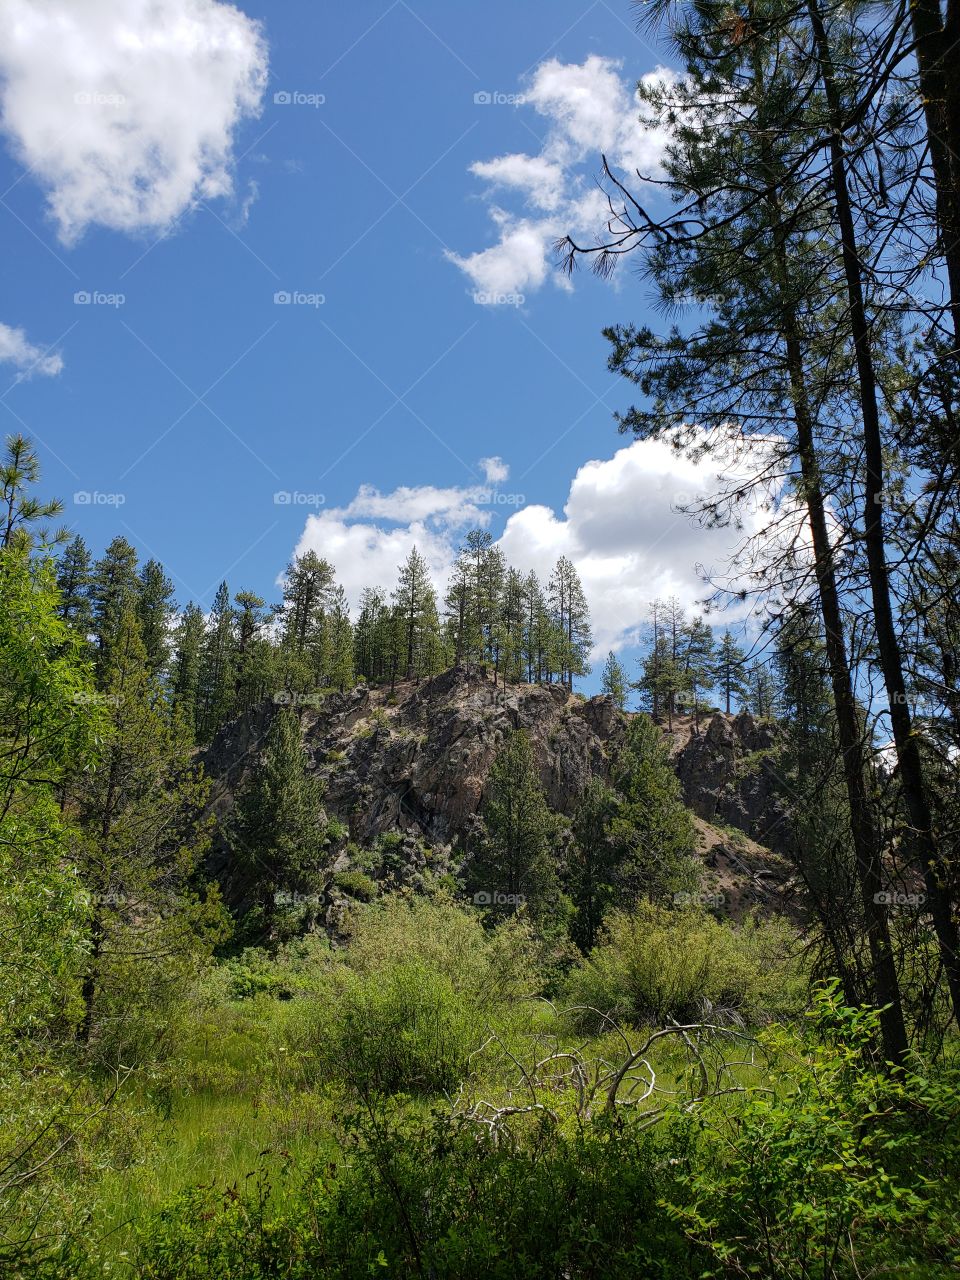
415,761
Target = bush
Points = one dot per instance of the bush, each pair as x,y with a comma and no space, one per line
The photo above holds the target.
417,991
837,1169
655,963
356,884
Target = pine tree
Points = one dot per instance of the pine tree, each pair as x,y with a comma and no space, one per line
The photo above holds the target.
571,618
218,666
698,662
307,592
511,629
415,605
253,666
763,691
614,681
652,827
155,610
729,671
74,577
188,644
114,592
142,838
370,635
595,860
19,510
277,828
515,855
340,641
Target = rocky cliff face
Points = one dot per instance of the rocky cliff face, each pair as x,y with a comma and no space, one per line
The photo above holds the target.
415,761
729,777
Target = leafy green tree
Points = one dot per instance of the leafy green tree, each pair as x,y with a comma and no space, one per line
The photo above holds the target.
614,681
50,726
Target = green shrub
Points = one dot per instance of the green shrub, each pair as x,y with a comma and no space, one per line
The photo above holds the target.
418,990
656,963
356,884
836,1169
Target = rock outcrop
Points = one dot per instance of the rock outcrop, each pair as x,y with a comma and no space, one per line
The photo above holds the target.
414,761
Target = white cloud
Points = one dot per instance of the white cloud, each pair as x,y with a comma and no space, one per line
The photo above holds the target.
494,469
125,110
620,525
16,349
590,109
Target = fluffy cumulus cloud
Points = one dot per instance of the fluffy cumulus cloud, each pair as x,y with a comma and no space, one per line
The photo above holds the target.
621,525
125,110
590,108
28,359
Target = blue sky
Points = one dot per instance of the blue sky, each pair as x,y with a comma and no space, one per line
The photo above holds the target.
184,163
